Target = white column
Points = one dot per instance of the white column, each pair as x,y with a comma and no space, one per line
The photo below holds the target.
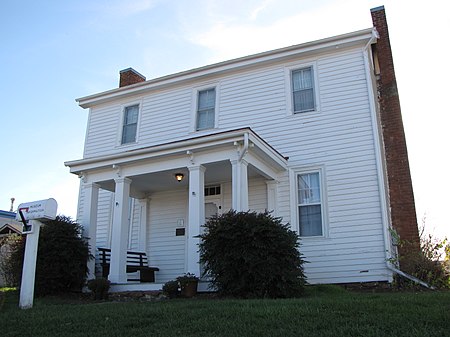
89,221
272,197
196,216
119,239
239,182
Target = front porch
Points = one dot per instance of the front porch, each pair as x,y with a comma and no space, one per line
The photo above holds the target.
132,200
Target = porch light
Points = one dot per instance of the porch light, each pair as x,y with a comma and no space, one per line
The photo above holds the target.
179,176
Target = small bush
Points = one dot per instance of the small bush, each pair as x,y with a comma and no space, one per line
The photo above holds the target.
249,254
171,288
9,270
99,287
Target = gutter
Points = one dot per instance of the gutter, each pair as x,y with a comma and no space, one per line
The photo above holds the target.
381,169
409,277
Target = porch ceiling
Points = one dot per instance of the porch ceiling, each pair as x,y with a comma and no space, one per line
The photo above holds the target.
145,184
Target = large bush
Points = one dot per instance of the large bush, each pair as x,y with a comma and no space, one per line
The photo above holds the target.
248,254
62,257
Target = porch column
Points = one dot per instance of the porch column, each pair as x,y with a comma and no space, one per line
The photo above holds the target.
89,221
119,238
196,216
239,182
272,196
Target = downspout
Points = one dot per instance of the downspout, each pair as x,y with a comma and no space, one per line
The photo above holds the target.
245,148
380,168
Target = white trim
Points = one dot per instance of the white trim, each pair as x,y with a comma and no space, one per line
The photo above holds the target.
293,174
123,106
288,85
195,91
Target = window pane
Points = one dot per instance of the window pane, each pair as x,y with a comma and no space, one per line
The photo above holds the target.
129,133
309,188
131,114
310,220
304,100
205,120
302,79
206,99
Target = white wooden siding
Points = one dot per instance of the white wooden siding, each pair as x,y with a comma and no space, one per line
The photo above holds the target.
338,138
165,250
135,227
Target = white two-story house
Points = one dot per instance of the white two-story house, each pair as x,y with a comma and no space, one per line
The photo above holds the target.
303,131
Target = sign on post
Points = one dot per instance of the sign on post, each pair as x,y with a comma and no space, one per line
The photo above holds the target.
41,210
32,215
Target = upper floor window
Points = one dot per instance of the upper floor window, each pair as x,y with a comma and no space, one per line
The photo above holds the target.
206,106
303,95
309,204
130,122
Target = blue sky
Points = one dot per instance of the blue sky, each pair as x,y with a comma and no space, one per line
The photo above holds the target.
55,51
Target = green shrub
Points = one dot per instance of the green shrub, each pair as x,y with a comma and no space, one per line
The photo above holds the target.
99,287
249,254
171,288
62,257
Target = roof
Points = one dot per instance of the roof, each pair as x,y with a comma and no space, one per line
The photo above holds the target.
6,214
361,37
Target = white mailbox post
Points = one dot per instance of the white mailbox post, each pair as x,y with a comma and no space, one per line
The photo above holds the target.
32,215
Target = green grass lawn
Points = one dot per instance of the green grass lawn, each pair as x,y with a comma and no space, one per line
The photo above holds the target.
324,311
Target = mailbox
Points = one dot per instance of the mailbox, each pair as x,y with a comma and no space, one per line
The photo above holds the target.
41,210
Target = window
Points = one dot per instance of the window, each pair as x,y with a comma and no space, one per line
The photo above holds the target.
130,121
206,104
303,90
212,190
309,204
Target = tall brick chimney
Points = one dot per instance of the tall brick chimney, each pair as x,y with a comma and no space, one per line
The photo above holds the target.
401,196
130,76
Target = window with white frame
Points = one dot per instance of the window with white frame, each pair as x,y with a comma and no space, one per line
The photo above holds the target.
130,122
303,95
206,106
309,204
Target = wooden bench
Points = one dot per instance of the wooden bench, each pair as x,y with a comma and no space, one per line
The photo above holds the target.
136,262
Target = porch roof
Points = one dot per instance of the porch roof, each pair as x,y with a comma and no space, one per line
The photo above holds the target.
244,140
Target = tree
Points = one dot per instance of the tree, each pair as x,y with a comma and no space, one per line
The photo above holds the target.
249,254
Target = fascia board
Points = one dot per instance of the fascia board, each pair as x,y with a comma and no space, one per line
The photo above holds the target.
277,55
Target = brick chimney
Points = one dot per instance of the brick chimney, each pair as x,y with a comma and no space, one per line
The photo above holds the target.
130,76
401,196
